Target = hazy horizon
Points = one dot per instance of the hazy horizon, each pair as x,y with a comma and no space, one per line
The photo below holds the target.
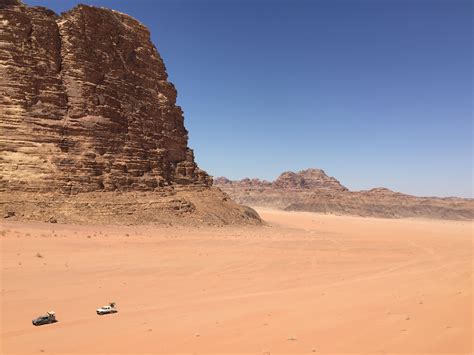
374,93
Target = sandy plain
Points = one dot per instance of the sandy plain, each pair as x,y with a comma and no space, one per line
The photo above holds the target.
304,283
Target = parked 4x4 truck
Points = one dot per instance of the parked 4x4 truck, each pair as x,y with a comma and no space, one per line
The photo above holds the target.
111,308
49,317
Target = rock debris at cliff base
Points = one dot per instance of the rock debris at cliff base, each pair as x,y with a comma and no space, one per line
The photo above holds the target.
86,108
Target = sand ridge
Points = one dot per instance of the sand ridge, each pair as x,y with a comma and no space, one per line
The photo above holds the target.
304,283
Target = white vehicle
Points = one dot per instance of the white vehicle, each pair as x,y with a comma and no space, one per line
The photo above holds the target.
110,308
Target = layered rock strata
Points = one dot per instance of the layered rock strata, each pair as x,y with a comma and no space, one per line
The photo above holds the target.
89,126
86,105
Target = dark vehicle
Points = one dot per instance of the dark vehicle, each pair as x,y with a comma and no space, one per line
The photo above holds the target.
49,317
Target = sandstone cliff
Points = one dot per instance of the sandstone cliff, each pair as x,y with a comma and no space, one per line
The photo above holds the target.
86,104
312,190
86,107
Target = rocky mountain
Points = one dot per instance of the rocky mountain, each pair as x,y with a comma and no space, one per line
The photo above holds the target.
86,107
309,179
312,190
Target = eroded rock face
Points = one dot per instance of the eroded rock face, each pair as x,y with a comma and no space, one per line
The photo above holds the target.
305,180
308,179
86,105
312,190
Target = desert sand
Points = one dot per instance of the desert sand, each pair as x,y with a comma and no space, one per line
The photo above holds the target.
303,283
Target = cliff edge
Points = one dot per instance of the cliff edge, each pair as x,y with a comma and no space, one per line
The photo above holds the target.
86,108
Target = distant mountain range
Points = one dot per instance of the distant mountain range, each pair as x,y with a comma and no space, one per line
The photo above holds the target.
313,190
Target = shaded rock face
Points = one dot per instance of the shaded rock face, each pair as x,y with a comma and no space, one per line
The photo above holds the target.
312,190
85,105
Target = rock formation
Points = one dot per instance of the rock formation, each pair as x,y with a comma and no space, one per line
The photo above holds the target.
312,190
308,179
86,106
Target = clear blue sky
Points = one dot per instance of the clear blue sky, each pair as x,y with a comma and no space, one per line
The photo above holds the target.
376,93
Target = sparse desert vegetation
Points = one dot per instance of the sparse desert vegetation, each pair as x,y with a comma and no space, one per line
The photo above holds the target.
102,196
299,284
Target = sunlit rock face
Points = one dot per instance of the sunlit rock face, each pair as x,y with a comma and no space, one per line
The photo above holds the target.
85,105
313,191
